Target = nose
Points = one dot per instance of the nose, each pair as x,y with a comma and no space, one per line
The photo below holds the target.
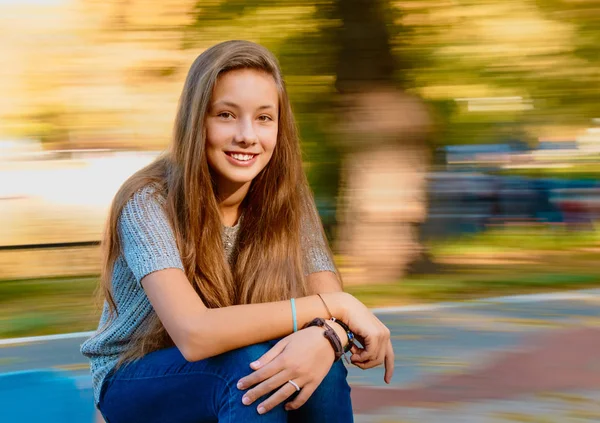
245,132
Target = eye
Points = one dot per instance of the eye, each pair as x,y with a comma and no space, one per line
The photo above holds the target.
225,115
265,118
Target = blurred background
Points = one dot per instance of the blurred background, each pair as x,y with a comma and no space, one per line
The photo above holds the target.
453,146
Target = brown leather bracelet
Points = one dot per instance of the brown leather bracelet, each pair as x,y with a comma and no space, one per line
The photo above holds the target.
330,334
349,334
344,326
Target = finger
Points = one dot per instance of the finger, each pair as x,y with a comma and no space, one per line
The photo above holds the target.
355,358
265,387
269,356
389,363
260,375
301,398
355,350
359,365
383,349
359,341
283,393
369,353
366,364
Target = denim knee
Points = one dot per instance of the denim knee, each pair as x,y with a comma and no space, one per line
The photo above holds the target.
330,403
236,363
335,379
206,389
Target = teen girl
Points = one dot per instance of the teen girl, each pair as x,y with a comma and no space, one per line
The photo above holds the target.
215,261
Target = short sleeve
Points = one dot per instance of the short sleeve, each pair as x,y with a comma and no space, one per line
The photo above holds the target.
147,240
315,249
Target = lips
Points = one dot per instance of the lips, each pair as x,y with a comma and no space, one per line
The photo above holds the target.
240,159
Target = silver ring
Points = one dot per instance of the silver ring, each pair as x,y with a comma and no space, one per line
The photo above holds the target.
295,385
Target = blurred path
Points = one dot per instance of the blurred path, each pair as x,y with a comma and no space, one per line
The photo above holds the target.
520,359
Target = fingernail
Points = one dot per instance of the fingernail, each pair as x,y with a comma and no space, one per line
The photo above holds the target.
255,364
261,410
245,400
240,385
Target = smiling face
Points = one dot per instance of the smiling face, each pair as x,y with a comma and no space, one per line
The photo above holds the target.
241,127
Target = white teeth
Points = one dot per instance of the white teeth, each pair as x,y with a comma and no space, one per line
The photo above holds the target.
242,157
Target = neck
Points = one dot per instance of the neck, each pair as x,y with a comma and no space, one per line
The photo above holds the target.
230,198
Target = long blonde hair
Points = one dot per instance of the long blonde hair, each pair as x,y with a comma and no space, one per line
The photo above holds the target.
268,265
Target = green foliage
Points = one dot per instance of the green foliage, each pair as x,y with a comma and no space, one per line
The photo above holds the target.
42,306
541,50
59,305
460,286
579,172
524,238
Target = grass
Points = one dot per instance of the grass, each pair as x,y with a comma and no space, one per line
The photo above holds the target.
578,171
524,238
556,259
459,287
46,306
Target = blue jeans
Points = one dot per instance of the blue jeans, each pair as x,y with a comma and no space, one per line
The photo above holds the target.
164,387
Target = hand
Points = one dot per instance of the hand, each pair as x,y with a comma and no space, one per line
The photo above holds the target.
304,357
372,334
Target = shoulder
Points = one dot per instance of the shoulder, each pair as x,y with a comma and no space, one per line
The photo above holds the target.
147,239
145,209
149,198
150,193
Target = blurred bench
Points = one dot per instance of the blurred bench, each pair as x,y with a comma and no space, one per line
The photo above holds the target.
49,396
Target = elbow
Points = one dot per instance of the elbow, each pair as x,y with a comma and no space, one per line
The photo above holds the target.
192,351
191,346
187,350
190,354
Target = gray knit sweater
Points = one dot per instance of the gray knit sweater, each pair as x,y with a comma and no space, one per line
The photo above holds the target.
148,245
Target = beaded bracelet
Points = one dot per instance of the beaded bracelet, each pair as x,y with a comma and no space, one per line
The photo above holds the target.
349,334
330,334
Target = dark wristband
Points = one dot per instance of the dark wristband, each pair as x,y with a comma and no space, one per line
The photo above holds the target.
349,334
331,336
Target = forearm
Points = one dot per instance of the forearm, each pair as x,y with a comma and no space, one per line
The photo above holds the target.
219,330
322,282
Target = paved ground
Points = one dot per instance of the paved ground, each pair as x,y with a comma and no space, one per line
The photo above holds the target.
518,360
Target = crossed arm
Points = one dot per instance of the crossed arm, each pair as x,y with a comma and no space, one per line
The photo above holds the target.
190,323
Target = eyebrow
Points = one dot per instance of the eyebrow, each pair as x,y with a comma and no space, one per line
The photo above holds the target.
231,104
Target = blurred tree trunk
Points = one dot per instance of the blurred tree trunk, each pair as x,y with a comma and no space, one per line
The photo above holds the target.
382,134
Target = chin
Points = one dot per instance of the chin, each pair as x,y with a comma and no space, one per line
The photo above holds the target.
241,179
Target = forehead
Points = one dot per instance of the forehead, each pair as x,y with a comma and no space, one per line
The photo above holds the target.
245,84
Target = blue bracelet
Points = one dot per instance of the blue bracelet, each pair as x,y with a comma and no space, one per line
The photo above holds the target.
293,301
